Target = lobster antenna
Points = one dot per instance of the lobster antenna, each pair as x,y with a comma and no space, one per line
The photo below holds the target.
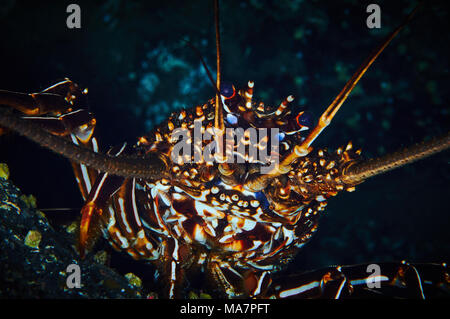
152,167
216,85
259,182
218,116
359,172
208,72
218,110
219,125
304,148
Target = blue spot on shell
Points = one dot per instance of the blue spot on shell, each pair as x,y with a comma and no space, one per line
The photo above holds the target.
281,136
232,119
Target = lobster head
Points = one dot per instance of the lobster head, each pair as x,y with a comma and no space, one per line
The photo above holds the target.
232,178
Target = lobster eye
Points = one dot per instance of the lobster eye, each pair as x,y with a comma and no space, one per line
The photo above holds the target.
227,90
304,120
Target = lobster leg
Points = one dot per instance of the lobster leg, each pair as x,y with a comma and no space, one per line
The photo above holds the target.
227,278
58,99
78,125
81,123
235,283
52,110
401,280
105,186
118,197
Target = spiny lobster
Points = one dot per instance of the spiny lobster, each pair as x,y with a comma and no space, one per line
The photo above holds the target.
238,225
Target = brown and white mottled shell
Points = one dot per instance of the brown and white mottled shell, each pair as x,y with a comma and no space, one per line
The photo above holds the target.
201,214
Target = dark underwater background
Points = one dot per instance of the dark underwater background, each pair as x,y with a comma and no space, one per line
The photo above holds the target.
131,56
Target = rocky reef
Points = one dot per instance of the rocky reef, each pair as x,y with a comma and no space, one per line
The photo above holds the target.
34,257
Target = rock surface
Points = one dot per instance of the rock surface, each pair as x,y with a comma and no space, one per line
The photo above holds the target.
34,257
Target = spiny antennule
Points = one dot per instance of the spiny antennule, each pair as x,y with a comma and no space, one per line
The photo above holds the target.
284,105
349,146
248,95
260,107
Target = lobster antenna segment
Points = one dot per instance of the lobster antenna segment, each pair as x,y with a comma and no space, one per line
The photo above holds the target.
208,72
153,167
304,148
218,119
218,114
359,172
